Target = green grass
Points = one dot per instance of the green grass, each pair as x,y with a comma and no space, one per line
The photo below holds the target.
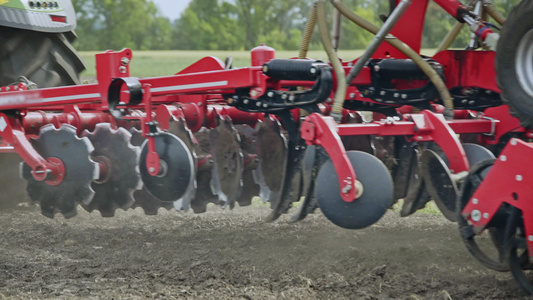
163,63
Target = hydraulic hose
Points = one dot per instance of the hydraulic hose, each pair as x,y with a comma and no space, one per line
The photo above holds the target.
395,42
450,37
494,13
340,93
308,33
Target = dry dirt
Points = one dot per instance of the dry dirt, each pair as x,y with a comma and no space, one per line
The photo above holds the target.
234,254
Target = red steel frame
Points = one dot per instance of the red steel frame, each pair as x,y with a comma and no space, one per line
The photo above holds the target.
199,92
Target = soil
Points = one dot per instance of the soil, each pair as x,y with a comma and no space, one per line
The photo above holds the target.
225,254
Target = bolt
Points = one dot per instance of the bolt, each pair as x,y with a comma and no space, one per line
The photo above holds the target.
245,101
503,158
16,88
312,70
486,215
513,142
419,137
200,103
530,238
152,170
382,93
284,96
346,188
258,103
352,95
270,94
404,96
464,101
471,102
475,201
122,69
396,95
291,98
376,68
125,61
7,89
518,177
476,215
265,105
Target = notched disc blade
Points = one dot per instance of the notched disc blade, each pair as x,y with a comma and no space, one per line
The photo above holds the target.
250,188
228,161
204,193
80,171
272,151
114,150
370,206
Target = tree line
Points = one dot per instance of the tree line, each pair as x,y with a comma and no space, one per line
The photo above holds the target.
234,24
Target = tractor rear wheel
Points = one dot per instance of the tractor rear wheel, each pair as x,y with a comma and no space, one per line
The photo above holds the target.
514,62
47,59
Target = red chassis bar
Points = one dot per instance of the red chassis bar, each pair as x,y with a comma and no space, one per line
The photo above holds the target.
508,181
425,126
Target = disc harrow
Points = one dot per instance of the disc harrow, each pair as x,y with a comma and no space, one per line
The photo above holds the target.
350,138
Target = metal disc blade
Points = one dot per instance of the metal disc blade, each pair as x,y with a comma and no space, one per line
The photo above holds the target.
228,161
370,206
476,153
488,251
143,199
439,183
80,171
272,151
178,171
113,149
178,127
438,178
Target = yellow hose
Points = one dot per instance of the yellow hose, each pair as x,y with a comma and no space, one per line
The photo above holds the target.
495,14
450,37
393,41
308,33
340,93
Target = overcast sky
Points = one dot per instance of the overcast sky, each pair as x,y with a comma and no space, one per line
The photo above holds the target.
171,8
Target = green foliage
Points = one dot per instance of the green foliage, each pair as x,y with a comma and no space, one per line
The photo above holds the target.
238,24
116,24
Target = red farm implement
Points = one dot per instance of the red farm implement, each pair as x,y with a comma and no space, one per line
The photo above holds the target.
440,128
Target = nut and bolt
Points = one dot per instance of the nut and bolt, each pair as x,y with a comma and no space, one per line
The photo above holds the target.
476,215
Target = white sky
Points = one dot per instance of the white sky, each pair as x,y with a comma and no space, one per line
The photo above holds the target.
171,8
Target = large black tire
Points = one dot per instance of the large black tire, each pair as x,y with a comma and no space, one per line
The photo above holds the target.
512,64
48,59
